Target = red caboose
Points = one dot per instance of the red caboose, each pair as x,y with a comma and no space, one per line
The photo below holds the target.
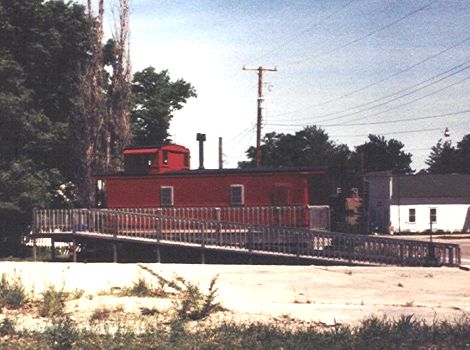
161,177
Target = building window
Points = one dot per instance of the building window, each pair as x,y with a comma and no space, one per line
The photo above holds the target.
412,215
165,157
166,196
433,215
237,195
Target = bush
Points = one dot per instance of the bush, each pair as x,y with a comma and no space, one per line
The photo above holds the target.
62,334
53,303
189,301
141,288
12,293
7,326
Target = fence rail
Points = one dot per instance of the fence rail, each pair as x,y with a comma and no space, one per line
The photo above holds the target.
311,216
248,238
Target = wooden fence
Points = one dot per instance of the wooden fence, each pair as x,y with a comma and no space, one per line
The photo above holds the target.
247,238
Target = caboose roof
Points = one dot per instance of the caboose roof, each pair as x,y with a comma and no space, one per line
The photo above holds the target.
153,149
241,171
140,151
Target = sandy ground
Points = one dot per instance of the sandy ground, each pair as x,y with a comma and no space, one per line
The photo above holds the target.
260,293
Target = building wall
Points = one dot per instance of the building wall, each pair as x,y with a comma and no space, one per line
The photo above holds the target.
379,195
199,190
449,217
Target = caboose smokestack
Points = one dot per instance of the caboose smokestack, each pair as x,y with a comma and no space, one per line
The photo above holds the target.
201,138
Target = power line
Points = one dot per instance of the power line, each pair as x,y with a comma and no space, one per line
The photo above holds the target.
384,111
354,92
389,133
401,96
302,32
388,121
243,132
388,96
367,35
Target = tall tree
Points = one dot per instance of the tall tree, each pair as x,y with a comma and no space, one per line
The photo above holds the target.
118,126
42,46
308,147
103,128
379,154
155,99
89,123
463,155
446,159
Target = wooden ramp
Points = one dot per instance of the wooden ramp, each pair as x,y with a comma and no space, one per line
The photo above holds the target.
75,225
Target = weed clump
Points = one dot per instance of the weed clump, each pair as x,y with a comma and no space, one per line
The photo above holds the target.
53,302
189,301
12,292
7,326
62,334
140,288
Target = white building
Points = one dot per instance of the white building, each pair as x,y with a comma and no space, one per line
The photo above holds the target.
418,203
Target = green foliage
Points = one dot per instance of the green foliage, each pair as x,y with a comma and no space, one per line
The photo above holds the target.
42,48
7,326
308,147
140,288
155,99
447,159
63,334
381,154
372,333
53,302
189,301
12,292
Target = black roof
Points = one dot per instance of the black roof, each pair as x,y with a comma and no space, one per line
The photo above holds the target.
323,169
431,189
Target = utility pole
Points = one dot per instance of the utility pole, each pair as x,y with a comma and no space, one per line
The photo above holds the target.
221,161
260,71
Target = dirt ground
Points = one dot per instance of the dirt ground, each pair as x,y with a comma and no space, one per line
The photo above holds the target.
261,293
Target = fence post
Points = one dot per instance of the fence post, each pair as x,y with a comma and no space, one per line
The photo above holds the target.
297,244
277,214
52,249
218,229
115,233
451,256
35,248
203,243
402,254
74,250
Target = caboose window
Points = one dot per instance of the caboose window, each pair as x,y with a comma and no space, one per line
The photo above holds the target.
237,195
165,157
166,196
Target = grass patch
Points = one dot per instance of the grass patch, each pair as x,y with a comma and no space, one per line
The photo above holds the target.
12,292
373,333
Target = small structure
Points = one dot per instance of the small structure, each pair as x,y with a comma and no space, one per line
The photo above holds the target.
419,203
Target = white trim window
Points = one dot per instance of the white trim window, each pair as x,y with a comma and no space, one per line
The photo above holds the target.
432,215
166,196
237,195
412,215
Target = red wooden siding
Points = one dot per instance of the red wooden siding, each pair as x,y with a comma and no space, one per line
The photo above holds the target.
197,189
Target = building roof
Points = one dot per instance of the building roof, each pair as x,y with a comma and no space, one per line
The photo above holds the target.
431,189
227,171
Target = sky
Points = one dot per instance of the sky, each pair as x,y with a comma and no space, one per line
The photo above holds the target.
400,69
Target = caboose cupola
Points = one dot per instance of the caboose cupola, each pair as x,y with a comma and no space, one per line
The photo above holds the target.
155,160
